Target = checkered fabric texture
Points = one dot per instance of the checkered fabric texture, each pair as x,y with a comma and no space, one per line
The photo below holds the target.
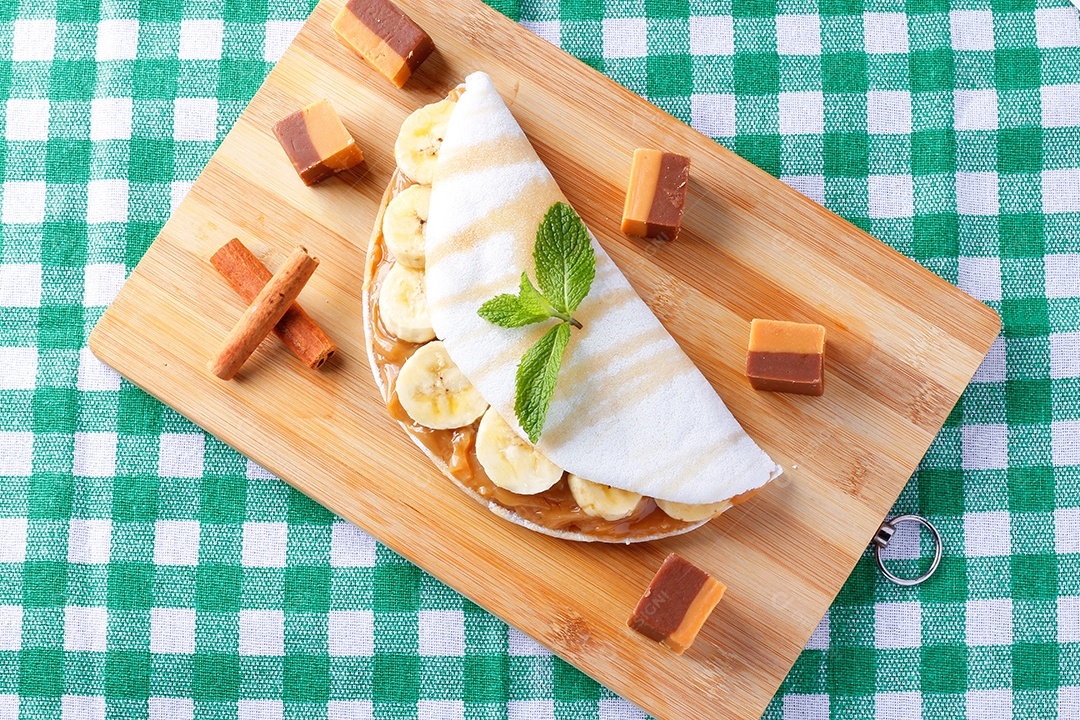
148,570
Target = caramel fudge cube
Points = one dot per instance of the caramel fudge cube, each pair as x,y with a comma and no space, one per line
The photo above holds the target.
317,142
786,357
676,604
656,194
379,32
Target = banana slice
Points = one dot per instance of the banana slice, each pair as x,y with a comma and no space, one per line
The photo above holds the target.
403,225
420,138
403,305
602,501
435,393
693,513
511,462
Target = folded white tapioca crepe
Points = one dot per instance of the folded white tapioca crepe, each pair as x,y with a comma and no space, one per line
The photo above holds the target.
630,409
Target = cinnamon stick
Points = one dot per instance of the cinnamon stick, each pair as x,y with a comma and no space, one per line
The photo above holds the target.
247,275
263,313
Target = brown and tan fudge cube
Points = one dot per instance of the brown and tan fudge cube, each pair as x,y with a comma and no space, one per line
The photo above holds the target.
786,357
317,142
676,604
381,33
656,194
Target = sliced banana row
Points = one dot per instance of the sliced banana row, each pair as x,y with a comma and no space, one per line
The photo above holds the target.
613,504
403,297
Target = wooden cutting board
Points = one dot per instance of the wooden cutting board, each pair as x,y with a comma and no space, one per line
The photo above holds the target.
902,345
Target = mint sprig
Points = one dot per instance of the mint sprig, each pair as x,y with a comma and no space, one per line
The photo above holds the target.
565,268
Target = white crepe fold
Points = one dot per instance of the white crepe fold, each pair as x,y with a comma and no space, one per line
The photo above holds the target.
630,409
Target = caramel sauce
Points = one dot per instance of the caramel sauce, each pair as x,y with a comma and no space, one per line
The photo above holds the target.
555,508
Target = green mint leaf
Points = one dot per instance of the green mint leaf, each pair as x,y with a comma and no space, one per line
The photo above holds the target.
565,261
509,311
532,301
536,377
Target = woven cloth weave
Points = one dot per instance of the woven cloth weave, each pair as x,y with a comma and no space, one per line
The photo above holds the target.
148,570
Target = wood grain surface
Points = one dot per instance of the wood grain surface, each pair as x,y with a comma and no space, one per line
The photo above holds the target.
902,345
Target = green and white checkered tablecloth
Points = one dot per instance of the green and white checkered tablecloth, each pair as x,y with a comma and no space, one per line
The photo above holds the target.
148,570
